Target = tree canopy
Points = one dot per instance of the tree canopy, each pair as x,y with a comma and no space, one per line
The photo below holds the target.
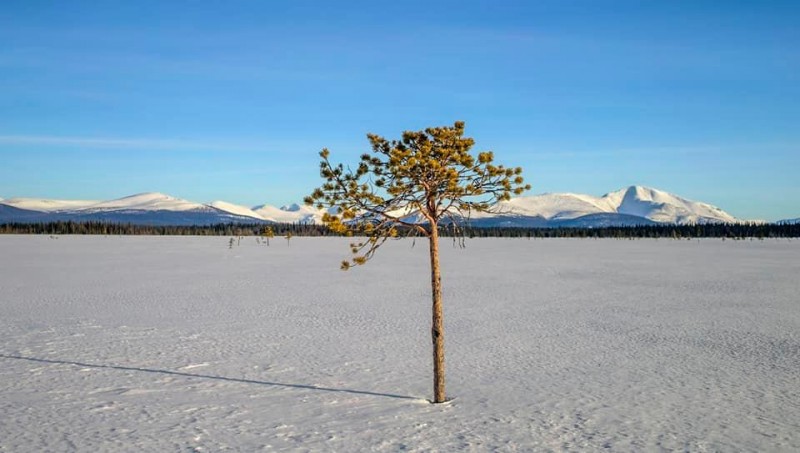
425,179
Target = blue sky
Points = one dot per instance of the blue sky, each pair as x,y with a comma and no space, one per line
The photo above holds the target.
233,100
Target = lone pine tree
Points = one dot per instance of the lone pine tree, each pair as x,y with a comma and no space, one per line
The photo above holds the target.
430,174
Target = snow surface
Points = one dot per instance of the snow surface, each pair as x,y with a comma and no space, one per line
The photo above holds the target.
179,343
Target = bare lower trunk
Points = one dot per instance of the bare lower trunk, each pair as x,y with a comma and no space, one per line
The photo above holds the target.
437,327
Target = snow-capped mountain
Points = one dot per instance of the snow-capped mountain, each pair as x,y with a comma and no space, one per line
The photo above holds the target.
664,207
41,205
235,209
151,201
10,213
150,208
634,205
292,213
788,221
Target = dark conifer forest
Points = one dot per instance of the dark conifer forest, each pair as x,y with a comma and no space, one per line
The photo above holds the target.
717,230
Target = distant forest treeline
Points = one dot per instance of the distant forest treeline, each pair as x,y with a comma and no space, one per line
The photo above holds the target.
732,231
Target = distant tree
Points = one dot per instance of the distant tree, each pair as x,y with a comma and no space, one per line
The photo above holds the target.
268,234
430,174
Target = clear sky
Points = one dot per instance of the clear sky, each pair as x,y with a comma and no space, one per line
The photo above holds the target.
233,100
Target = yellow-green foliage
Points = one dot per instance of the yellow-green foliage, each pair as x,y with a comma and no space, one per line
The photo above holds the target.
428,172
268,233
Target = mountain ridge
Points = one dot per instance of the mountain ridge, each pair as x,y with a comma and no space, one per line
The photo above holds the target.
632,205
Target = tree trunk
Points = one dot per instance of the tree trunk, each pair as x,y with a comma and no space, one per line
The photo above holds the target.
437,327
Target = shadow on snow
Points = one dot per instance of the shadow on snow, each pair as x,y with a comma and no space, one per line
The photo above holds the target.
206,376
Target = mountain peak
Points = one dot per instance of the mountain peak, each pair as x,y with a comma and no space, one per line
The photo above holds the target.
294,207
144,196
634,191
626,205
639,190
665,207
147,201
45,205
235,209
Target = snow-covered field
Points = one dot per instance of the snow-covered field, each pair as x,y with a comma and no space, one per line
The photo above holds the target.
180,344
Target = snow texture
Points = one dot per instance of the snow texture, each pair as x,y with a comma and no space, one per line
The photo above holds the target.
182,344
